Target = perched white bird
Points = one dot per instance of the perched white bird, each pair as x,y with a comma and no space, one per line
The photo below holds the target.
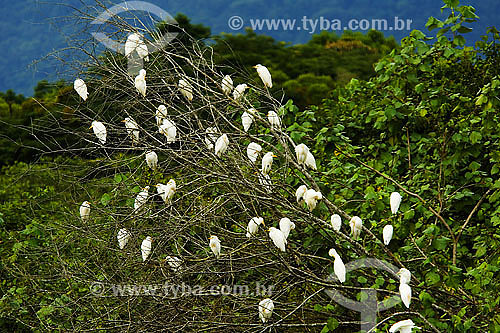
210,137
356,225
253,225
266,307
264,75
336,221
152,160
123,237
215,245
404,275
85,211
274,119
132,128
221,145
227,84
168,129
166,191
338,265
141,199
99,131
136,43
253,151
301,152
311,161
239,91
266,182
278,238
395,202
186,89
161,114
267,162
403,326
286,226
311,198
140,82
405,292
146,247
81,88
247,120
174,262
300,193
387,233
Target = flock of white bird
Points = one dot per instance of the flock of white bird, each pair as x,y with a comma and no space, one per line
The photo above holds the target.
220,145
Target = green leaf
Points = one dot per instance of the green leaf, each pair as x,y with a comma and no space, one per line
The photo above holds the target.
332,323
440,243
105,199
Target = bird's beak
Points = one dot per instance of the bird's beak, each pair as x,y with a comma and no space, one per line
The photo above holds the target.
264,225
275,156
155,185
254,66
91,126
123,120
268,229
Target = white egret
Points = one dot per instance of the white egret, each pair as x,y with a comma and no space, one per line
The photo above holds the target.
123,237
161,114
301,151
227,85
311,198
356,225
404,275
210,137
300,193
387,233
264,75
132,128
274,119
403,326
81,88
166,191
146,247
266,182
336,221
140,82
311,161
278,238
221,145
85,211
253,151
186,89
405,292
338,265
99,131
239,91
174,262
267,162
152,160
266,307
215,245
168,129
253,225
136,43
286,226
246,120
395,202
141,199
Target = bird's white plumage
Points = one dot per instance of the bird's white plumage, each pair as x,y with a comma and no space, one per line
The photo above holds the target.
168,129
266,307
286,226
395,202
336,221
136,43
387,234
132,128
99,131
215,245
186,89
405,292
311,161
403,326
174,262
253,151
167,191
221,145
123,237
264,75
85,211
140,82
246,120
141,199
300,193
301,151
152,160
311,198
356,225
404,275
267,162
239,91
274,120
227,84
161,114
278,238
210,137
253,225
81,88
338,265
146,246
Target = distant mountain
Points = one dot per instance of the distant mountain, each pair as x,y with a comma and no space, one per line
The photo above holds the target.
32,29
